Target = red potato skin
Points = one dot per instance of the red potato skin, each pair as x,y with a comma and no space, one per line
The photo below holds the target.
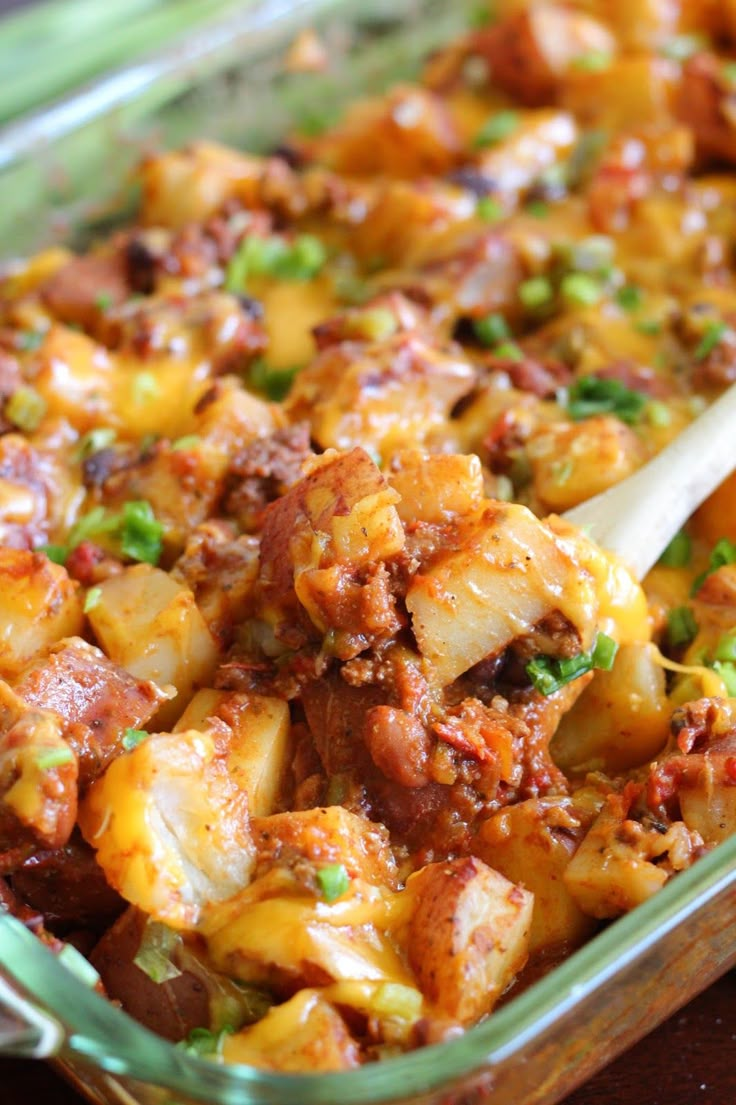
171,1009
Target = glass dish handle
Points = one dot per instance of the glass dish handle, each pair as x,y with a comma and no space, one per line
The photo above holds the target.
26,1032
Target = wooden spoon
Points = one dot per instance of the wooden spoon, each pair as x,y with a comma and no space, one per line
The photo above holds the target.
638,517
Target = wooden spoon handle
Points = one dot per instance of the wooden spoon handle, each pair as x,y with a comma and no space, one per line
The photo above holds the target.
639,516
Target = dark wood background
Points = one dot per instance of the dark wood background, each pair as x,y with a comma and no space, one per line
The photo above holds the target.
690,1060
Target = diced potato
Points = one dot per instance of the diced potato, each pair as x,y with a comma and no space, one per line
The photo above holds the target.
468,935
39,603
633,91
75,378
708,798
435,488
276,934
543,138
96,699
621,719
407,133
323,836
342,512
257,755
38,778
170,827
382,397
620,862
305,1034
149,624
189,185
502,575
531,843
572,461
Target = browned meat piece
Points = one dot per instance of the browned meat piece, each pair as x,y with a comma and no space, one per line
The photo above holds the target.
262,471
399,745
542,377
637,377
96,699
68,887
480,278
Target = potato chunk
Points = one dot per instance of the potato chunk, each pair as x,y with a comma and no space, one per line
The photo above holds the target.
150,625
38,604
306,1034
436,487
532,843
468,935
97,700
502,575
170,826
257,756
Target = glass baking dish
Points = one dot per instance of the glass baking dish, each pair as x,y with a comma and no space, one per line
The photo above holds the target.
65,173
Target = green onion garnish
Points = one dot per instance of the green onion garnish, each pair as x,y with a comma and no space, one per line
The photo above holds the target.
591,395
535,292
273,382
508,351
722,553
488,209
491,329
499,126
592,61
274,256
678,552
93,441
727,672
189,441
548,673
141,533
726,647
580,289
54,757
25,409
92,599
333,881
712,337
681,626
630,297
132,738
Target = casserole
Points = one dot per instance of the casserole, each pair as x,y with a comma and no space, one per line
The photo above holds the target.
534,1047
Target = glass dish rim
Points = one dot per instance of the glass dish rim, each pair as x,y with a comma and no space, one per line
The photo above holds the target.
136,1051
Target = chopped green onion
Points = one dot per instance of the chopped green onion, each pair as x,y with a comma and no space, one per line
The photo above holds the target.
538,208
275,256
333,881
722,553
580,289
203,1042
93,441
508,351
658,414
374,323
480,16
132,738
56,553
727,672
592,61
397,1002
591,395
54,757
499,126
678,552
141,533
92,599
75,962
96,523
681,47
548,674
145,388
491,329
25,409
189,441
728,72
28,340
490,210
712,336
158,944
681,626
103,301
651,327
726,647
535,292
273,382
630,297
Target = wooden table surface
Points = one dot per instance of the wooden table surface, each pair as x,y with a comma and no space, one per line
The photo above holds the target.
689,1060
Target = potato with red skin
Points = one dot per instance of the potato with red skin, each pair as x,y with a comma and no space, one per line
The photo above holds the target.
68,887
530,52
468,935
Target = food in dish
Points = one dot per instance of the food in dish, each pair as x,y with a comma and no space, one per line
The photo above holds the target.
321,730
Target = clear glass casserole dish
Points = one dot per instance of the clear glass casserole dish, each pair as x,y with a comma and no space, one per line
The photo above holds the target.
71,162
